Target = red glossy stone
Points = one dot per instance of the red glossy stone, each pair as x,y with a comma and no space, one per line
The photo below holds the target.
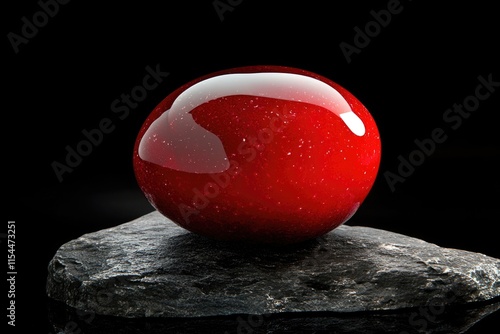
264,153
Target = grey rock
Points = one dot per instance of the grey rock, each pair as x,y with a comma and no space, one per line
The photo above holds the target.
150,267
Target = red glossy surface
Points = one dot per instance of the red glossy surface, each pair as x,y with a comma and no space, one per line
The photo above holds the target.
267,154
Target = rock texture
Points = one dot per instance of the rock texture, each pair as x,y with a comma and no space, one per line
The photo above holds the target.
150,267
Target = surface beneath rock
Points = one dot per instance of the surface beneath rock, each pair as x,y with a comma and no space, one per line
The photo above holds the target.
150,267
445,319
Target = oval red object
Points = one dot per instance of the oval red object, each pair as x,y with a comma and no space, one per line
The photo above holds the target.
262,153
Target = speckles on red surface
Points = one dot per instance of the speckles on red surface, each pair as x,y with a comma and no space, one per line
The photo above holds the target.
265,154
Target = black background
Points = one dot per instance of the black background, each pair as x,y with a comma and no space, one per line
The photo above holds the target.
66,77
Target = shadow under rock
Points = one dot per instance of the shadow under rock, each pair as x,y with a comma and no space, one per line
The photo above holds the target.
430,319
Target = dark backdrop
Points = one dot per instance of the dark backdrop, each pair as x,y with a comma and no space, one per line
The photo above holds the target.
67,72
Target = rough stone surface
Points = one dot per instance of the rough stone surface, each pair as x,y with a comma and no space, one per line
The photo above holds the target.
150,267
